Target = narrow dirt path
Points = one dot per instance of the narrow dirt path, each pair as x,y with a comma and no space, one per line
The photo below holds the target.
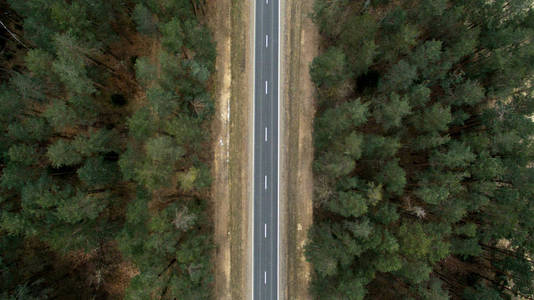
232,129
220,26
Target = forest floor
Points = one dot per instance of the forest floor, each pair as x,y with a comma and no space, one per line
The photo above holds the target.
232,130
301,44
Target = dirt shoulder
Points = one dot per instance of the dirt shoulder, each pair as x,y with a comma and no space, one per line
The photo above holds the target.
300,42
230,23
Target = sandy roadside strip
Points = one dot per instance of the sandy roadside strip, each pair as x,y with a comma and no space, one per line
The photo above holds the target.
230,23
220,26
301,44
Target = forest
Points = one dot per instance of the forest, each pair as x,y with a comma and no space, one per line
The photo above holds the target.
105,109
423,136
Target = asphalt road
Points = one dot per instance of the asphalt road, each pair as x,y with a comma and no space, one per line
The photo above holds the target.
266,132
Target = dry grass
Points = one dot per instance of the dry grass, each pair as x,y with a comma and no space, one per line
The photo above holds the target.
229,21
301,44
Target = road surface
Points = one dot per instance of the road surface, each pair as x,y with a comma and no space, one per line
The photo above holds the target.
266,150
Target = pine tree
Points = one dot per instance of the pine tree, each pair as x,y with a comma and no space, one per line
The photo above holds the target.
329,69
445,135
62,153
144,19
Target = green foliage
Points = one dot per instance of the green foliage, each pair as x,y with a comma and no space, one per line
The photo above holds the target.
173,35
186,130
29,88
63,144
342,118
413,241
29,129
170,245
433,291
203,179
335,164
145,71
15,175
348,204
329,69
432,194
380,147
432,164
162,150
425,56
39,62
468,93
11,105
400,77
466,247
153,176
357,37
129,162
415,272
325,262
353,145
144,19
390,113
403,40
62,153
432,119
22,153
429,141
481,292
141,124
388,264
84,19
163,103
86,109
96,141
97,172
187,179
178,253
51,211
327,15
60,116
70,65
392,177
200,39
458,155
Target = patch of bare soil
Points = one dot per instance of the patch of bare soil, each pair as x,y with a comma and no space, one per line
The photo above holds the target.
231,190
101,273
300,42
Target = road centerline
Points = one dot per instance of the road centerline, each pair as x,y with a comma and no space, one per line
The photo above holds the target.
266,151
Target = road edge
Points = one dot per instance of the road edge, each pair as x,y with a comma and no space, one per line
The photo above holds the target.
282,251
252,78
